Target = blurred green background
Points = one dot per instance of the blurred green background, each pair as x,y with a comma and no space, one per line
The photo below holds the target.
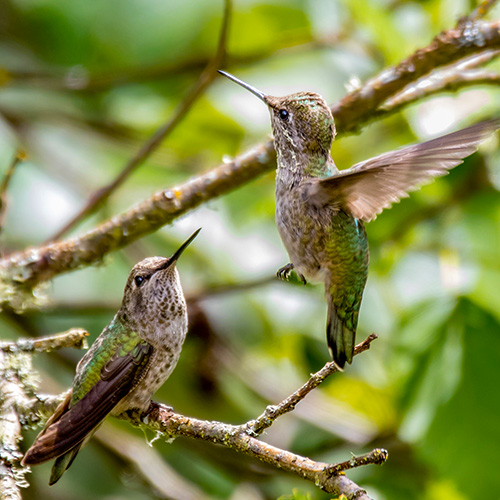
83,84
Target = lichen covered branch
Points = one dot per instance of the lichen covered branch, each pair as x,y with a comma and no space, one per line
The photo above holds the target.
75,337
242,438
15,373
359,107
162,419
450,78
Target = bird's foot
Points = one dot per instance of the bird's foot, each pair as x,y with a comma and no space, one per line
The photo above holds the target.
284,273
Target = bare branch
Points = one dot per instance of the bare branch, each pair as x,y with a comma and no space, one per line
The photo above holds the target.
377,456
75,337
206,78
257,426
450,78
5,185
23,270
480,11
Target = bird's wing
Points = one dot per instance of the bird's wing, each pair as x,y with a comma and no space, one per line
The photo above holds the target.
73,422
372,185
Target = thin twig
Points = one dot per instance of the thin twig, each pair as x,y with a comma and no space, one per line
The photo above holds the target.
449,78
21,271
79,79
228,288
377,456
480,11
206,78
271,413
75,337
5,185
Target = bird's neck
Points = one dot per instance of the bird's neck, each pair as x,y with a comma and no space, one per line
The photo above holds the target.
295,166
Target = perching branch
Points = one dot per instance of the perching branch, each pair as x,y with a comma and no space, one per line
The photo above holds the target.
24,270
162,419
206,78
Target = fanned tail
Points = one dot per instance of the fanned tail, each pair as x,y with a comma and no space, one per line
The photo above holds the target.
339,334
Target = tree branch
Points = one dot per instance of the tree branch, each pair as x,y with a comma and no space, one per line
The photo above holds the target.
5,185
266,419
75,337
358,107
450,78
161,419
15,371
241,438
206,78
24,270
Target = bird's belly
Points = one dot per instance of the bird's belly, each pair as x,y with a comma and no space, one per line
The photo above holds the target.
161,366
321,242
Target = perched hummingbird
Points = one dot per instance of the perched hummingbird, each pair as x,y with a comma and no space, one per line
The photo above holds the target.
128,362
320,210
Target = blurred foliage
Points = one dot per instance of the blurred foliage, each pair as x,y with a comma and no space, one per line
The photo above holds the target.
83,84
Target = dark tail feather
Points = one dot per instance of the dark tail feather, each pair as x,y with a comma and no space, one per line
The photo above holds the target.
339,336
62,464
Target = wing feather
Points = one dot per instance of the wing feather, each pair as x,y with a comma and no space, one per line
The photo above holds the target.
372,185
118,377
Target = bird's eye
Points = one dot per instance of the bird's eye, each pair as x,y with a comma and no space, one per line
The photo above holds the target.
139,280
284,114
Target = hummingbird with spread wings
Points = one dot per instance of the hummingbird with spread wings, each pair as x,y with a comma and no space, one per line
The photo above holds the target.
321,211
127,363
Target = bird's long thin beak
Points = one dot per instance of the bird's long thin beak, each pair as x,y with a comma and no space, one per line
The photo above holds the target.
253,90
183,247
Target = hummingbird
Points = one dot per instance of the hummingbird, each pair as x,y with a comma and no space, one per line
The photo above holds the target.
127,363
321,211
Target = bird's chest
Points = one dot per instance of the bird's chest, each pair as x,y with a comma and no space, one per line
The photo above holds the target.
167,345
304,230
320,240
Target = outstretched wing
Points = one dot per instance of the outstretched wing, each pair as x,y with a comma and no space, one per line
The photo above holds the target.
370,186
72,423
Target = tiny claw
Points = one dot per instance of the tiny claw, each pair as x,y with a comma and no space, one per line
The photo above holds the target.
284,272
302,278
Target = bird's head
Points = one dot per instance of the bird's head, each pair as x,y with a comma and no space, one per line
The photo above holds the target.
153,293
302,123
